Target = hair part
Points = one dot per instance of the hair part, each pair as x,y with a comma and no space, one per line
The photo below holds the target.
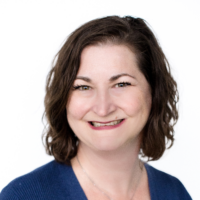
59,138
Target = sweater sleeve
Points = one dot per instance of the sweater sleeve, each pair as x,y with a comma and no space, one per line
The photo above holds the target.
42,183
164,186
48,182
8,193
181,190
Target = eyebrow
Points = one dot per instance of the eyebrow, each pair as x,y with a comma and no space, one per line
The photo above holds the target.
113,78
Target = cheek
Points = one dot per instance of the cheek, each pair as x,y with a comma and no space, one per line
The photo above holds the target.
131,104
77,107
135,103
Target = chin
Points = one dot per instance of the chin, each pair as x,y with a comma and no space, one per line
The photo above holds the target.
108,145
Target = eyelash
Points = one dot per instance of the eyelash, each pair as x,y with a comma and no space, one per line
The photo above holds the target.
124,83
77,87
80,87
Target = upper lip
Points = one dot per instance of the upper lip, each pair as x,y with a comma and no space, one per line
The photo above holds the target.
105,122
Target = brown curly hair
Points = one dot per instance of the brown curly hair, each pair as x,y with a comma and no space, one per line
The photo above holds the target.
59,138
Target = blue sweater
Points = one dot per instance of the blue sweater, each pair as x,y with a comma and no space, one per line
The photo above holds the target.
55,181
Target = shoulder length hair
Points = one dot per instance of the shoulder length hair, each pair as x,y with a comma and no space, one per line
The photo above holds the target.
59,138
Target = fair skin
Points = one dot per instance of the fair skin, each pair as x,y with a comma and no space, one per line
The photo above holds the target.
110,88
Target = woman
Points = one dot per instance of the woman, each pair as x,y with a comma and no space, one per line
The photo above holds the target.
110,97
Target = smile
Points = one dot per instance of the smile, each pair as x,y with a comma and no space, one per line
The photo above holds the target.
98,124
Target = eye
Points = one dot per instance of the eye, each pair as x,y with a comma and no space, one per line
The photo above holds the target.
122,84
81,87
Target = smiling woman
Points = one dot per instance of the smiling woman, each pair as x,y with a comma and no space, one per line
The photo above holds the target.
110,97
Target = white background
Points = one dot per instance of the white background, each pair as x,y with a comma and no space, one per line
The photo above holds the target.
31,33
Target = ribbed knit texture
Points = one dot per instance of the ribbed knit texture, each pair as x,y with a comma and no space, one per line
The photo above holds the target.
55,181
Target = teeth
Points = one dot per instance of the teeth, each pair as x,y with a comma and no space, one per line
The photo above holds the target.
96,124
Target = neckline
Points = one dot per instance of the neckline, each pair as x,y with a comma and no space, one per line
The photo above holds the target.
78,190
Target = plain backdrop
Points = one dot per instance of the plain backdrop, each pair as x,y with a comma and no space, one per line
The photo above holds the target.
31,33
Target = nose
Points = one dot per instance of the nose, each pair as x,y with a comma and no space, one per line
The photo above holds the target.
104,104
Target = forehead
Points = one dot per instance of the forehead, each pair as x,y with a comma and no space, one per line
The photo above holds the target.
107,58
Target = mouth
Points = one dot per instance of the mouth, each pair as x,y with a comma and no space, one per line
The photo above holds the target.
104,124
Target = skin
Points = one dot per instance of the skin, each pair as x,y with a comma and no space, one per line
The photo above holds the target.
102,98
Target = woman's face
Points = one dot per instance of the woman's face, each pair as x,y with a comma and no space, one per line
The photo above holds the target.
111,100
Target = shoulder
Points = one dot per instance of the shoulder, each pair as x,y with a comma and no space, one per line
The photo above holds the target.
42,183
164,186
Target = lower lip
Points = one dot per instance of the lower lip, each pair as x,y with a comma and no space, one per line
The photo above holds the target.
106,127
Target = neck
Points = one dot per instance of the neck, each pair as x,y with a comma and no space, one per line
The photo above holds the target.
115,171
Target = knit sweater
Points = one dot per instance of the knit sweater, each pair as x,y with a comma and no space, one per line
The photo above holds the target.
56,181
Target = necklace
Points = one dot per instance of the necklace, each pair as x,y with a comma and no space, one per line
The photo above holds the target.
102,190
